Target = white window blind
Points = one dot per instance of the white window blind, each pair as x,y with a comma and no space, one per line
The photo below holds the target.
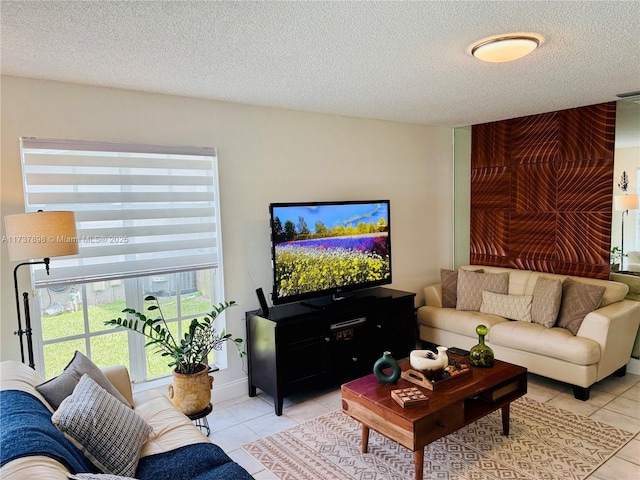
140,210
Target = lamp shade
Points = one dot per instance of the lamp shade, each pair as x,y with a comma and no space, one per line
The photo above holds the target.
41,235
630,201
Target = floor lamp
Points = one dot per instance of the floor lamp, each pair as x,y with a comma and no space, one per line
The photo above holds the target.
624,203
37,235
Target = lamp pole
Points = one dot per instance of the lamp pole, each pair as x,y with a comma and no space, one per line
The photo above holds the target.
28,331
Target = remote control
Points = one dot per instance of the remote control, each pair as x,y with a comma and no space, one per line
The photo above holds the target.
459,351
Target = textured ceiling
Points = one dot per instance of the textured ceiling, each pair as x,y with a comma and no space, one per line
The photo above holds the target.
401,61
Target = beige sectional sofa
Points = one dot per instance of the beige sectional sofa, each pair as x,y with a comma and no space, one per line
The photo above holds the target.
601,346
32,448
633,259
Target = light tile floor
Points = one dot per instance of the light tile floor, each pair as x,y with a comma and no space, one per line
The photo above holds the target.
615,401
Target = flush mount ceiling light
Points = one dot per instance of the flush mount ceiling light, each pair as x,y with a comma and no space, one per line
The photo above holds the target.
505,48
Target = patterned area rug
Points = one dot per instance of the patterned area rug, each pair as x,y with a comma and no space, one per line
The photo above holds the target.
544,443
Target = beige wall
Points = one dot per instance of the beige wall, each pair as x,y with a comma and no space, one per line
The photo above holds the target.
265,155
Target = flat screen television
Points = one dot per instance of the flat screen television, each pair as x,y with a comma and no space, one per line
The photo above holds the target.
326,248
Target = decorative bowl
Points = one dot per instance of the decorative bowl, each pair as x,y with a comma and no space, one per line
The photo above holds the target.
419,359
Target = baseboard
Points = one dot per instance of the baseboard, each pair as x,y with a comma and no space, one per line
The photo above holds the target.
633,366
221,391
227,391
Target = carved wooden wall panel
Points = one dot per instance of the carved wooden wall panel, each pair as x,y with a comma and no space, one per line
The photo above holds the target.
541,191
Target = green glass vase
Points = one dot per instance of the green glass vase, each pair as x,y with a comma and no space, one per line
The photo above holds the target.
481,355
387,361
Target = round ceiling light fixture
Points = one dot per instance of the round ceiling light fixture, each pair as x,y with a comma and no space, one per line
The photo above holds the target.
505,48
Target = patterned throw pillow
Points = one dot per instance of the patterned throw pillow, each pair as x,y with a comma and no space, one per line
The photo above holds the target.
471,285
111,433
449,283
578,299
547,297
513,307
57,389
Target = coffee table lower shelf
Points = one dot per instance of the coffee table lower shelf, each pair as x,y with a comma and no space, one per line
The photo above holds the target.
448,410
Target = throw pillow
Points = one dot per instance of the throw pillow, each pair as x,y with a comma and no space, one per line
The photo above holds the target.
547,297
578,299
111,433
57,389
449,283
513,307
471,285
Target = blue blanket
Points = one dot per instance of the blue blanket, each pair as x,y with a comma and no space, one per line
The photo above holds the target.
200,461
26,430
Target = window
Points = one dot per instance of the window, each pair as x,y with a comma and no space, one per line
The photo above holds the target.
147,223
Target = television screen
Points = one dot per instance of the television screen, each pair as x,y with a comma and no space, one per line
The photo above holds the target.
324,248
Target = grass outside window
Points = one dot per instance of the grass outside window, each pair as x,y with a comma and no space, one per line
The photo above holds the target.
109,346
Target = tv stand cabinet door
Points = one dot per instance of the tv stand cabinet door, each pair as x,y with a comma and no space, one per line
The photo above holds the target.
396,326
261,355
350,353
303,356
285,357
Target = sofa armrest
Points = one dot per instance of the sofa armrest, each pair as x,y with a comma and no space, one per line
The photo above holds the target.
614,328
433,295
119,377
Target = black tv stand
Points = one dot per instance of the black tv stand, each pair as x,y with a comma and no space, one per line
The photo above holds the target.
329,301
303,346
313,306
336,297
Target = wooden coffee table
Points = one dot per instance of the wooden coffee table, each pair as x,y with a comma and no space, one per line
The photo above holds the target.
450,408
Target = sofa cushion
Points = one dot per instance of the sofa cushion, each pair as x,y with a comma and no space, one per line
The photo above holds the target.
556,342
26,418
171,428
578,299
513,307
449,285
471,285
615,291
60,387
547,298
15,375
457,321
449,282
518,279
111,433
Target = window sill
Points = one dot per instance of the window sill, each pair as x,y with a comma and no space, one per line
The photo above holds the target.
160,383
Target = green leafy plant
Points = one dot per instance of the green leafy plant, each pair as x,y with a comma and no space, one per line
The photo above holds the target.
616,255
187,353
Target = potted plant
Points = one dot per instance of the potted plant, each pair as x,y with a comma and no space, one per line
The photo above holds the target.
191,387
616,259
